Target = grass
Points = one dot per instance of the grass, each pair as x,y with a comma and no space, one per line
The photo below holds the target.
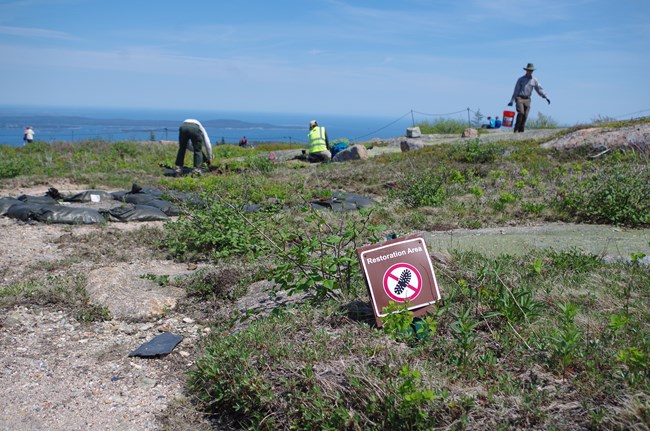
504,353
550,340
62,291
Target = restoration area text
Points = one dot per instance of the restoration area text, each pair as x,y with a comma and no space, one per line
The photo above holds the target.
393,255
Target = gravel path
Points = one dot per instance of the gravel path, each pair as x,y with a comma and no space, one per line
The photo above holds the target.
58,374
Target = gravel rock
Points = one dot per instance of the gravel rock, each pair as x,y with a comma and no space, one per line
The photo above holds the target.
59,374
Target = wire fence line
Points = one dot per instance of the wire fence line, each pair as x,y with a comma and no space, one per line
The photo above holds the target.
449,114
383,127
412,114
631,115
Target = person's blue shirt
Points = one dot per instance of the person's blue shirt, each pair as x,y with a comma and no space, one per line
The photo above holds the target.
497,123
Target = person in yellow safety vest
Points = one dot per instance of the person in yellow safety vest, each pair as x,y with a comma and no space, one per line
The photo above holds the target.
319,145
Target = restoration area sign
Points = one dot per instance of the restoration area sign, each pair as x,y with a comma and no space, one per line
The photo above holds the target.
399,270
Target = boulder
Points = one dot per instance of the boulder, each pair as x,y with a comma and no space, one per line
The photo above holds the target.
130,296
601,139
355,152
470,133
411,144
413,132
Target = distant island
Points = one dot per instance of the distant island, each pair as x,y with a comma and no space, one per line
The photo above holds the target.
66,122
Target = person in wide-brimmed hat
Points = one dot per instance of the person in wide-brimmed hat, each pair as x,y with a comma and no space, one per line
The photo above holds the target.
523,90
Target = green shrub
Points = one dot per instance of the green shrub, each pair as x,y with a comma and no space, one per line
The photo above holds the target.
533,208
322,265
424,188
215,230
474,152
618,195
477,191
400,324
226,151
515,305
13,166
565,341
126,149
463,329
574,260
507,198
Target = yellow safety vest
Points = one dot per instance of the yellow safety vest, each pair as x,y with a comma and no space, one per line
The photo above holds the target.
317,140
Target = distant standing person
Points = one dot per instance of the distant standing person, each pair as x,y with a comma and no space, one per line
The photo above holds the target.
523,90
319,144
192,130
28,135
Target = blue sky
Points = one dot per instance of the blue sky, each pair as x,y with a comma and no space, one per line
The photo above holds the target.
371,58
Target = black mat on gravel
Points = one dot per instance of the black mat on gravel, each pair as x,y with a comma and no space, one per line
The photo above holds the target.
341,201
159,346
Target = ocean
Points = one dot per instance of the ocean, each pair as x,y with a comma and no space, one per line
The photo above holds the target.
54,124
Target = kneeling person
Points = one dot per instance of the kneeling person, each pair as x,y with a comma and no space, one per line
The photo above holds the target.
318,150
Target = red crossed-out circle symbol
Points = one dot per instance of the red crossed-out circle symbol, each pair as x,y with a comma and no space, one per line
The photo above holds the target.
402,282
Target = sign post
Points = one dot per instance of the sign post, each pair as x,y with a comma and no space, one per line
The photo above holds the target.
399,270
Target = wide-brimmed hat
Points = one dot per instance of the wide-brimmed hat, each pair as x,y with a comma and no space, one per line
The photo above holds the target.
530,67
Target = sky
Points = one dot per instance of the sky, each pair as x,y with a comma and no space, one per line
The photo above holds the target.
334,57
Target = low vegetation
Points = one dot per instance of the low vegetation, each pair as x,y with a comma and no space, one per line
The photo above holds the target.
542,122
552,340
442,126
514,345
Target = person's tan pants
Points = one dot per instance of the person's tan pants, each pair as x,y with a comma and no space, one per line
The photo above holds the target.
523,108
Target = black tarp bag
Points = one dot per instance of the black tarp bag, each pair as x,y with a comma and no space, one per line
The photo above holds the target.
6,203
90,196
60,214
129,212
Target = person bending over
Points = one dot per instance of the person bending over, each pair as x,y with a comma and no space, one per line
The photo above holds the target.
193,131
